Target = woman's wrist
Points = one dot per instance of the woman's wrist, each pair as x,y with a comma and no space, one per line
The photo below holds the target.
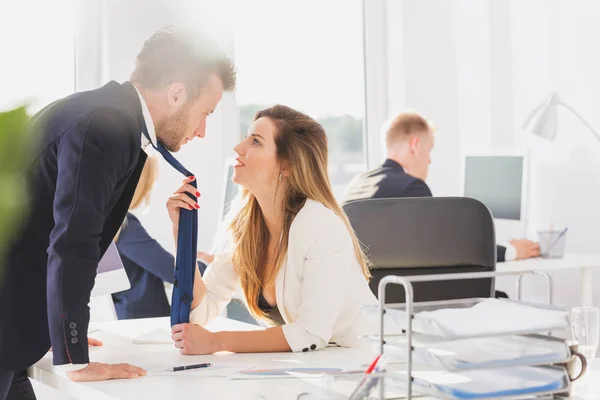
220,341
175,231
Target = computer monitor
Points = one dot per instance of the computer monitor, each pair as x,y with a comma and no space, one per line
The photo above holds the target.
230,190
500,182
111,276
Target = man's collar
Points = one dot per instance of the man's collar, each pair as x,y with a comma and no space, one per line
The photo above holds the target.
389,163
149,123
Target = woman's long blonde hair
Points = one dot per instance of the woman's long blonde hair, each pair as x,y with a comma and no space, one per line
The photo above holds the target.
141,197
301,144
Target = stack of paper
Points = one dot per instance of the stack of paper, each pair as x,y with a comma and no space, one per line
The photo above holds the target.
493,316
481,384
489,352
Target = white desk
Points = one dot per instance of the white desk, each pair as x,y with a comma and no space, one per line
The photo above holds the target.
581,262
117,337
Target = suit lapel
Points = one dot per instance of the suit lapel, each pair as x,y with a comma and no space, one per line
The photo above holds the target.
130,100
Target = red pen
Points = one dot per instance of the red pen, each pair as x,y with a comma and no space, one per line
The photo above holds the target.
373,365
362,390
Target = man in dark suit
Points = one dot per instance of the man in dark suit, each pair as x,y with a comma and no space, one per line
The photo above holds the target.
81,181
409,139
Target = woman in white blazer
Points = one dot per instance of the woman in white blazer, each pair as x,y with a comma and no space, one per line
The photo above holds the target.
288,245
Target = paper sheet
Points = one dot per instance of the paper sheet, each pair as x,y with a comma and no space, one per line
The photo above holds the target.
265,372
491,352
495,316
495,383
214,371
157,336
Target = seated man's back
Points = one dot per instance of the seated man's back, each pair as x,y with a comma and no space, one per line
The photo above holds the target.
386,181
409,139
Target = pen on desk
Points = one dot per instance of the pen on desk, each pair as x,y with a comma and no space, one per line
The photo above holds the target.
557,239
186,367
373,365
362,389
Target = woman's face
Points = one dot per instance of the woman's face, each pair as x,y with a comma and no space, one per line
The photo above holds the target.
257,168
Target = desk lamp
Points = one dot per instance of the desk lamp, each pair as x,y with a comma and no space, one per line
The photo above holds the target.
543,120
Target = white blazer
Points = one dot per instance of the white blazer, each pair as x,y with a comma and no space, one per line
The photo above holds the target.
319,288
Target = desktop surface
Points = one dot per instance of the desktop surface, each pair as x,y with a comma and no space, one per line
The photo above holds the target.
117,337
572,278
547,264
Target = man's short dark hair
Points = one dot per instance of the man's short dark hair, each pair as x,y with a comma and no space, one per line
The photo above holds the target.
172,55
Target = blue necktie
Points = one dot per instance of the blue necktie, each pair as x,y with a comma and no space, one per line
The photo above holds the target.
187,242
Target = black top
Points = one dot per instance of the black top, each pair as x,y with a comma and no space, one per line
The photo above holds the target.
148,265
386,181
272,311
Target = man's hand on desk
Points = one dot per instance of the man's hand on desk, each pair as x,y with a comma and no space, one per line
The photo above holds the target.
193,339
525,248
96,371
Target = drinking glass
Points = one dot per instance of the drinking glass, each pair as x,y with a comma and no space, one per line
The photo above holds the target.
585,326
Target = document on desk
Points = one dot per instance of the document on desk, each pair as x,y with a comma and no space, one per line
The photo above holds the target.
487,352
497,383
214,371
157,336
263,372
493,316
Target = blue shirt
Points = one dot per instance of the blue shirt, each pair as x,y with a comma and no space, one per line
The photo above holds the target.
148,266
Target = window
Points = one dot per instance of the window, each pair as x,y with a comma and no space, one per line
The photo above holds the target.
307,55
37,52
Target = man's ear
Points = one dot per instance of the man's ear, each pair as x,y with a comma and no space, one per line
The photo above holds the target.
414,143
176,95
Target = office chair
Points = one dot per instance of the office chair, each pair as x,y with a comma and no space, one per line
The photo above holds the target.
422,236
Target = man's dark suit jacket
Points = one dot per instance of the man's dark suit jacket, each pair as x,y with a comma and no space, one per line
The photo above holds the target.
390,181
81,180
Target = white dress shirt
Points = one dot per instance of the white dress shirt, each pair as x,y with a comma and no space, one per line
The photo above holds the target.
511,252
62,369
149,124
319,288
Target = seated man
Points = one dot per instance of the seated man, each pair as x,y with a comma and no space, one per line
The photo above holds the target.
409,140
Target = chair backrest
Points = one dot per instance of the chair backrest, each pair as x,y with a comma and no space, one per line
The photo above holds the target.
421,236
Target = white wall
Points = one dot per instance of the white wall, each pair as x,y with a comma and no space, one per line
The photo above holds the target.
420,73
36,62
110,38
566,171
555,53
476,68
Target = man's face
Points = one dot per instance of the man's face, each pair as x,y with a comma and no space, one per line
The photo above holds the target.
422,155
188,119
